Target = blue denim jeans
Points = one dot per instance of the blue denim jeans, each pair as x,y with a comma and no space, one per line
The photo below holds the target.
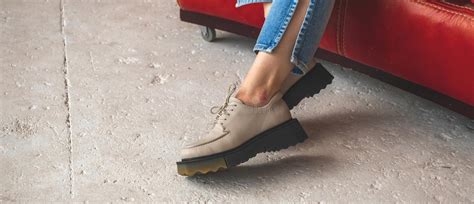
309,36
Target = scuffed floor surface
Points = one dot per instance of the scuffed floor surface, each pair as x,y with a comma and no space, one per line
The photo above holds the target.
97,97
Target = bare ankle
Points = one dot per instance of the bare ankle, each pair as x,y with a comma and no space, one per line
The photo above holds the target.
256,97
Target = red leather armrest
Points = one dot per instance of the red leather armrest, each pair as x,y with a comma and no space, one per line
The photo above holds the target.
429,42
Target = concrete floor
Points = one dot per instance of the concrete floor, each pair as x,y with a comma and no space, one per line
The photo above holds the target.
107,123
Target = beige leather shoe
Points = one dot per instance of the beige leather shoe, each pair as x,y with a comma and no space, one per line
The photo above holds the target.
239,133
296,88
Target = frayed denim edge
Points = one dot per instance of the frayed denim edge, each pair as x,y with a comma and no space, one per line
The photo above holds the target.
303,67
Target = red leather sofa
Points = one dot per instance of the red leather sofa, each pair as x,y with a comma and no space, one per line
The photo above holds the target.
423,46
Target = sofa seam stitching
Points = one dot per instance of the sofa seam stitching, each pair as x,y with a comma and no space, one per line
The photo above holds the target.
338,27
457,6
343,28
443,9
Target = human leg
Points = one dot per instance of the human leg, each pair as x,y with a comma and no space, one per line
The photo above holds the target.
269,70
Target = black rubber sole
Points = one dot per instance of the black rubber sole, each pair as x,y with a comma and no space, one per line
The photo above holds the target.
309,85
280,137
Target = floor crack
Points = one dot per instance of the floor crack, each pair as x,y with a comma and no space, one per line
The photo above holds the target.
67,101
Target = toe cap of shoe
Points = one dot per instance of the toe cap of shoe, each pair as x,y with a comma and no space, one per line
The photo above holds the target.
187,153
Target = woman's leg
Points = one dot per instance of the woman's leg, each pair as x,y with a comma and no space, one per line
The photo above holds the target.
269,70
292,78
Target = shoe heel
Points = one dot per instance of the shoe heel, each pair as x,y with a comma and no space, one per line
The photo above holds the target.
309,85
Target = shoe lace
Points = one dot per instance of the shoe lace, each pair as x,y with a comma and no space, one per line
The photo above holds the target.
223,110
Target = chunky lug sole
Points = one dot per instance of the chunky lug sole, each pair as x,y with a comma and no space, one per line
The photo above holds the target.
309,85
280,137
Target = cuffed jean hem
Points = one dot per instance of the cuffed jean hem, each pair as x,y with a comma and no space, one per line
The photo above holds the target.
300,68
